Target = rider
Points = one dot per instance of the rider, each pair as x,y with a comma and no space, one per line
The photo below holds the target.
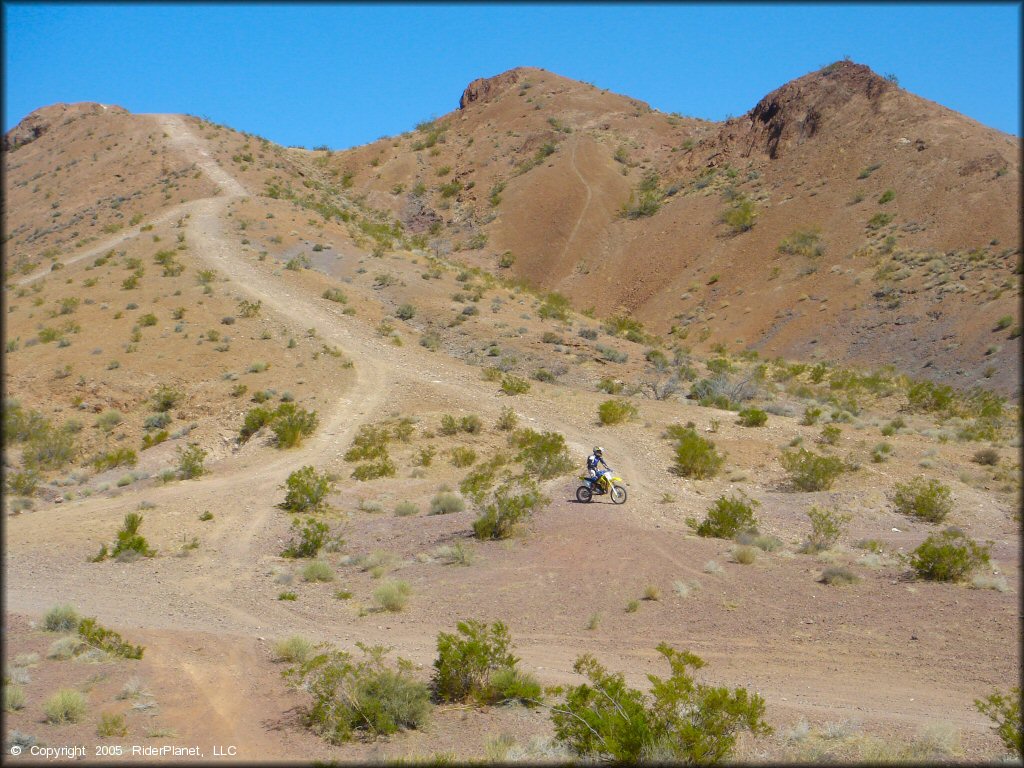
593,460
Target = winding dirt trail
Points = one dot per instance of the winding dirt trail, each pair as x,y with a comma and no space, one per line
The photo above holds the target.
586,204
214,593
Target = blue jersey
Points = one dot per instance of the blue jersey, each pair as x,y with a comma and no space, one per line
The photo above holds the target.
593,460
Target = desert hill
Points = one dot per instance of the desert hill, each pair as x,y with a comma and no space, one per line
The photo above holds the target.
537,169
199,322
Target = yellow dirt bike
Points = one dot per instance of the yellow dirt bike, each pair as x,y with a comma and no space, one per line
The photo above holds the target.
606,483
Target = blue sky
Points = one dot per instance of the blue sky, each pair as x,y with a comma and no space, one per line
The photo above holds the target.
344,74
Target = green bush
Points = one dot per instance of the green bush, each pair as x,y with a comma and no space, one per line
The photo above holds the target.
811,415
255,420
477,665
165,397
107,640
616,411
65,706
555,306
513,385
544,455
190,461
291,424
830,434
826,528
477,484
336,295
308,490
879,220
463,456
681,721
365,696
926,499
445,503
753,417
50,447
23,483
471,424
741,216
312,535
927,396
374,470
948,556
1004,711
393,596
727,517
112,725
507,420
129,540
115,458
371,442
512,504
696,456
803,242
61,618
405,312
811,472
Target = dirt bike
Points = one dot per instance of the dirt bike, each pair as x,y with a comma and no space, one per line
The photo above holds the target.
606,483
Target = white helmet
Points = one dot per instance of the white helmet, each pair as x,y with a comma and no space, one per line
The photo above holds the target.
598,450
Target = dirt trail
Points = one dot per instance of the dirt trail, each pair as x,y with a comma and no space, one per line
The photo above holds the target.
586,204
215,591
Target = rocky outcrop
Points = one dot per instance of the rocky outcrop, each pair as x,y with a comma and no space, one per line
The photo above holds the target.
42,120
486,88
417,216
794,113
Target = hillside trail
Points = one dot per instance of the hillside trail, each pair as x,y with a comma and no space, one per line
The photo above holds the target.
216,590
586,204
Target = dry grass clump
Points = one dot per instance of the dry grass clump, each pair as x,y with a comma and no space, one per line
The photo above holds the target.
14,698
111,725
744,554
295,649
446,502
393,596
837,576
64,648
65,706
651,592
318,570
455,554
61,618
406,509
990,581
378,562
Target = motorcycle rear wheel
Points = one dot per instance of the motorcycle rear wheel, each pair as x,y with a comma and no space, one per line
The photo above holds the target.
584,494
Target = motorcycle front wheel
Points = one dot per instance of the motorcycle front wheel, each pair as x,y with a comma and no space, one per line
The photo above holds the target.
618,494
584,494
